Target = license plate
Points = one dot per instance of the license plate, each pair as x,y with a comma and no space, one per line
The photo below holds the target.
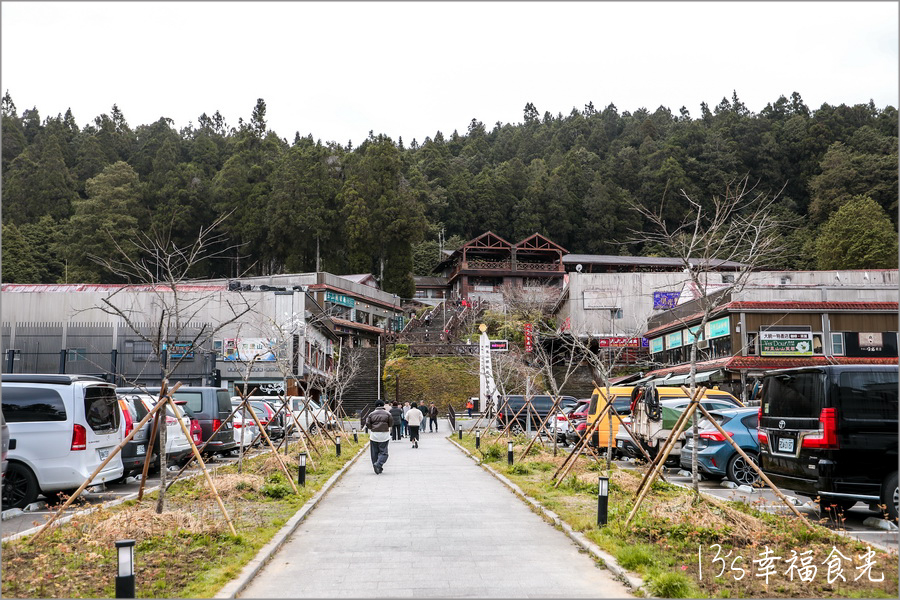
141,449
785,444
103,452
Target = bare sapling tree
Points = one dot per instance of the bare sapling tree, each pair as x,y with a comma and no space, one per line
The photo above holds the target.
347,365
737,232
185,318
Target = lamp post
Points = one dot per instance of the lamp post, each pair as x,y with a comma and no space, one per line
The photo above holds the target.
509,452
125,576
355,439
602,500
301,477
337,444
477,439
460,432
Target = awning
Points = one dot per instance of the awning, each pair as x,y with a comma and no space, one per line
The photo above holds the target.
701,377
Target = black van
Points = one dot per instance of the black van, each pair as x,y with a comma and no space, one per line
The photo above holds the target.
831,432
210,406
510,406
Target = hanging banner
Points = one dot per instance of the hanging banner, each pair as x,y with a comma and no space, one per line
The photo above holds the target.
528,338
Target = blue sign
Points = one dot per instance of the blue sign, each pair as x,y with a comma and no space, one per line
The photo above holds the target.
673,340
656,345
664,300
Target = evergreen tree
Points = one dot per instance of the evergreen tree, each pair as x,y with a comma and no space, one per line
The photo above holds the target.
859,235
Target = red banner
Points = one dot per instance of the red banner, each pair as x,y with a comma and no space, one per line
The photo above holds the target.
528,338
620,342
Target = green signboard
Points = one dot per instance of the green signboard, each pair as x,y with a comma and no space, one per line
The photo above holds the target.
341,299
718,328
785,343
690,334
673,340
656,345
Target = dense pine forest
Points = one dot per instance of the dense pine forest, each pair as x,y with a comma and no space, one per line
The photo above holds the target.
383,206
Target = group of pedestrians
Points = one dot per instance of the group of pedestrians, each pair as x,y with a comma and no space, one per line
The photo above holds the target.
394,423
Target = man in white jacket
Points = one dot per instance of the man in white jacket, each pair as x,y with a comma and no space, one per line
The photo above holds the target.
414,419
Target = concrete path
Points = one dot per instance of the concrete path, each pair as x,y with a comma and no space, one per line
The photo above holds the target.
433,525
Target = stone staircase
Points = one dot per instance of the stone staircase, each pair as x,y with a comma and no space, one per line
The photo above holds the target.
363,390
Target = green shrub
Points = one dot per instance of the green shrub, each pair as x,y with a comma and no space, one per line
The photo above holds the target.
276,487
399,351
493,452
670,585
632,557
518,469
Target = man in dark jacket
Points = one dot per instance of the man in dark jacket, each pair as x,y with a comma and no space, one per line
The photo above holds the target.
378,422
397,421
432,418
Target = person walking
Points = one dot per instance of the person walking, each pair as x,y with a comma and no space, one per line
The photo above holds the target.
415,418
432,415
378,422
469,406
396,419
405,429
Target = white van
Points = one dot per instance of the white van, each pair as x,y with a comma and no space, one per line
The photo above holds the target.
61,427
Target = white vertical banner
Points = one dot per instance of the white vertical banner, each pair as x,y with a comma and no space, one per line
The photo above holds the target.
487,387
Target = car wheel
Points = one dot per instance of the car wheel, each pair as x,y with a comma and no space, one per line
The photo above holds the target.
739,470
516,429
20,487
312,429
890,495
59,496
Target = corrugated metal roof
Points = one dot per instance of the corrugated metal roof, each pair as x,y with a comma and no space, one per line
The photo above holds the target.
104,287
423,280
642,261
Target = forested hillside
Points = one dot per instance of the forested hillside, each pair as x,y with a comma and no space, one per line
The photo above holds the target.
71,190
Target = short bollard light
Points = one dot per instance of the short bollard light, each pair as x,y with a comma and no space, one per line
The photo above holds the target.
460,432
301,477
355,439
125,576
477,439
602,500
337,445
509,452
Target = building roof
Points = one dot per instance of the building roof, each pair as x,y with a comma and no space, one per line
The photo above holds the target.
363,278
676,264
106,287
787,306
423,281
354,325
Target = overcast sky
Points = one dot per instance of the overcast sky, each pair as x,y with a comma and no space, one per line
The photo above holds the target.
340,69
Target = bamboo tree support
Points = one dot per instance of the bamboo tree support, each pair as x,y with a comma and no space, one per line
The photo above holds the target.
755,467
570,461
272,446
154,436
209,480
650,477
112,454
578,446
515,418
504,405
541,428
680,424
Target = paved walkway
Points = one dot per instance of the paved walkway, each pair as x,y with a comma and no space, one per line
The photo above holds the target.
433,525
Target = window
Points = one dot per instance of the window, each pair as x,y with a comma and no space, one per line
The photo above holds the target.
817,344
837,344
615,313
30,405
77,354
194,400
421,294
727,278
751,342
869,395
101,409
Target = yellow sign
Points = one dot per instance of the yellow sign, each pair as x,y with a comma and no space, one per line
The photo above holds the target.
482,328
